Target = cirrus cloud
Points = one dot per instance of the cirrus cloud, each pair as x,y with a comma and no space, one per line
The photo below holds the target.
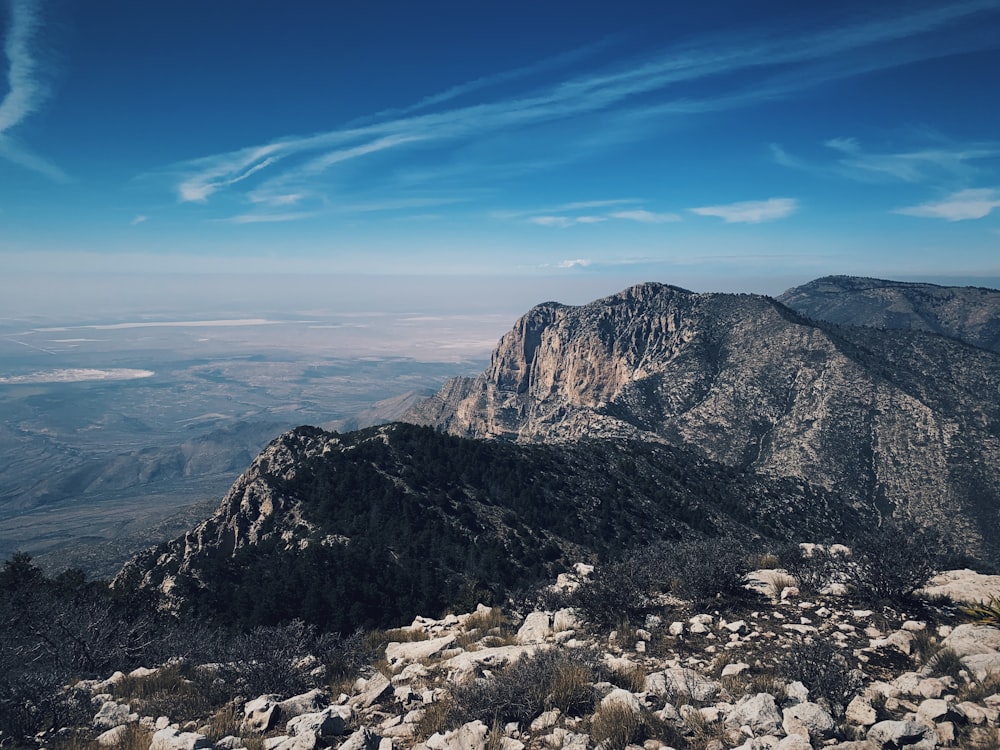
750,212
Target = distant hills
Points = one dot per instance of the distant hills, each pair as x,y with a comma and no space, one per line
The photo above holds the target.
969,314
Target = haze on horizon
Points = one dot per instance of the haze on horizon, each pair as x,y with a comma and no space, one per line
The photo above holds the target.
179,157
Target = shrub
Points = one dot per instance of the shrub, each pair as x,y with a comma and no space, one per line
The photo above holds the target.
624,592
614,726
816,570
522,690
987,612
825,670
946,663
894,560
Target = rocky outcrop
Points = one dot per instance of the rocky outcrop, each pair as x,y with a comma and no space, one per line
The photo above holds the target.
968,314
904,422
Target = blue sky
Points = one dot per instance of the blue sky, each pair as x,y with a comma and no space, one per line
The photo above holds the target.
729,145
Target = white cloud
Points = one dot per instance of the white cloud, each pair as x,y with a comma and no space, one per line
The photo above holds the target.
646,217
551,221
270,218
750,212
139,219
565,221
575,263
960,206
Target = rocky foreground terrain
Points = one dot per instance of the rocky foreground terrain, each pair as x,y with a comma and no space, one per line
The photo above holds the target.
782,666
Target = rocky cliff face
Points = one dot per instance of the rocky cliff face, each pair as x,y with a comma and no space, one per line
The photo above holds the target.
969,314
908,423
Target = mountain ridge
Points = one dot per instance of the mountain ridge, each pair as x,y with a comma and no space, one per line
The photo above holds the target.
902,421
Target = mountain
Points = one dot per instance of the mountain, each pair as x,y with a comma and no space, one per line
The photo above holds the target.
969,314
903,422
372,527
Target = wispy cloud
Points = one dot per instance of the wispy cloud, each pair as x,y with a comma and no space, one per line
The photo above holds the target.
566,221
961,206
646,217
750,212
27,87
575,263
942,161
140,219
270,218
745,70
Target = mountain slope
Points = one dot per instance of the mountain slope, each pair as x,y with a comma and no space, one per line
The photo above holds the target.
370,528
969,314
905,422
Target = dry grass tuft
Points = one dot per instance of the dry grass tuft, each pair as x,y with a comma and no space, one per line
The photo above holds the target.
435,719
614,726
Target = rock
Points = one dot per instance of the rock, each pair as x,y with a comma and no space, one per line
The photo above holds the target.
363,739
545,720
758,712
622,698
377,688
676,628
978,646
896,735
113,714
969,639
901,640
565,619
471,736
731,670
536,626
962,586
809,719
113,737
934,710
860,712
262,713
465,664
796,692
974,713
315,700
174,739
793,742
398,654
681,681
329,722
229,742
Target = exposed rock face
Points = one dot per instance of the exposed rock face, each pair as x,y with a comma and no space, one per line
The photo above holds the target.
903,421
969,314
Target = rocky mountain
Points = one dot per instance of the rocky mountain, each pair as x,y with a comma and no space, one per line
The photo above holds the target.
370,528
969,314
904,422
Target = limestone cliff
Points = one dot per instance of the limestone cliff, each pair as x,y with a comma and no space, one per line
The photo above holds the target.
903,421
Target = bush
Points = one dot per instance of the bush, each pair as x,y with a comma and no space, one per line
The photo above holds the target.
894,560
522,690
825,670
814,571
624,592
